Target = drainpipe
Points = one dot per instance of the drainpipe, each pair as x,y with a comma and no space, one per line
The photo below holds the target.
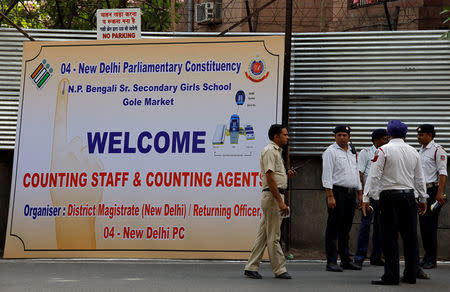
190,15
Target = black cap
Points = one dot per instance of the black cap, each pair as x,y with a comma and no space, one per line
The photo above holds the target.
426,128
379,133
342,128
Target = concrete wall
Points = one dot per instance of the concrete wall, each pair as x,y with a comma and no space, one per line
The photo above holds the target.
309,212
337,16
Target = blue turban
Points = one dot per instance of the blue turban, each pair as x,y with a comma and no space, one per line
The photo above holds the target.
397,128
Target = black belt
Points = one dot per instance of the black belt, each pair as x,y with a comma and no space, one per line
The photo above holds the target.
397,192
282,191
343,189
432,185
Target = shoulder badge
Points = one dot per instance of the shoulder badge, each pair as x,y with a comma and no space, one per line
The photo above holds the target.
375,157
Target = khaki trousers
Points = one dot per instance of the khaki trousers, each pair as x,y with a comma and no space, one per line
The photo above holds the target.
268,235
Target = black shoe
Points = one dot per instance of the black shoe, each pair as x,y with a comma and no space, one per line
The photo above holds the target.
382,282
358,263
408,281
422,275
252,274
350,266
333,267
377,262
429,265
284,275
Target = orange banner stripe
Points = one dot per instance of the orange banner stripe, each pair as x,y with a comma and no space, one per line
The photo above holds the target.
37,71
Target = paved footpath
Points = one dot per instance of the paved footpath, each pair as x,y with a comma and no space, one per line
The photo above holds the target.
166,275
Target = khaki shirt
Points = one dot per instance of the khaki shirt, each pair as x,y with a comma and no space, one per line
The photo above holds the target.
271,160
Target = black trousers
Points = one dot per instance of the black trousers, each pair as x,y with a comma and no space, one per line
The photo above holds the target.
428,228
339,223
399,214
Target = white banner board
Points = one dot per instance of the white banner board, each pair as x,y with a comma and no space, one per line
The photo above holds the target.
142,148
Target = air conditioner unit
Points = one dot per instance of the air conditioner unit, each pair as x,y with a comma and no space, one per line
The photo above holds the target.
208,13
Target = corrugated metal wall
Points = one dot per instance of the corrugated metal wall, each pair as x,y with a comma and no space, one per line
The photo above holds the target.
365,79
360,78
11,43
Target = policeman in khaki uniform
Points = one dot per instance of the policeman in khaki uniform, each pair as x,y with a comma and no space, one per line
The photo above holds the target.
274,184
434,164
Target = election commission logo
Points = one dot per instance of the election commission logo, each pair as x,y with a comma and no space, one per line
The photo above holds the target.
257,70
41,73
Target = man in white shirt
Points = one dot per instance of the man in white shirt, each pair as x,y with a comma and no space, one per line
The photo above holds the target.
340,178
396,178
434,163
366,155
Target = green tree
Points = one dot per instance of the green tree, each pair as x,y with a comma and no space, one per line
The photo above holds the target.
156,15
447,34
81,14
26,14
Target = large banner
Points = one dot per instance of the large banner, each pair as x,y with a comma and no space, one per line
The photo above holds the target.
142,148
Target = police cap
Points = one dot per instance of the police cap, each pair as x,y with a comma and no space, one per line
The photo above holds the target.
426,128
342,128
379,133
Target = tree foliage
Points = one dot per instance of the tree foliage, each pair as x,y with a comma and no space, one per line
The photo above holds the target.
156,14
446,35
81,14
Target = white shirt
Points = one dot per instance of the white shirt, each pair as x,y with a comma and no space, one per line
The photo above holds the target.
396,166
434,161
365,160
339,168
271,159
